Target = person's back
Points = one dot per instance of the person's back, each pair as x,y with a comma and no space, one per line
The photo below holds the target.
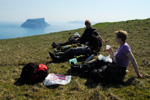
95,43
87,34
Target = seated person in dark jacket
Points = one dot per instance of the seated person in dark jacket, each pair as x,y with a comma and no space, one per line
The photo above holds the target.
88,32
93,45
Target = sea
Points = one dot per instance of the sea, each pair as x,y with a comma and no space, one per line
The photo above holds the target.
9,30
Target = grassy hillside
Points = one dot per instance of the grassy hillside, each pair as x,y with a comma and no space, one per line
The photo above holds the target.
15,53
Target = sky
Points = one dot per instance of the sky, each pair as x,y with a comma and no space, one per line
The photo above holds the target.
74,10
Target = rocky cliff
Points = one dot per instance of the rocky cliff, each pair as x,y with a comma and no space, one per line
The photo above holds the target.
35,23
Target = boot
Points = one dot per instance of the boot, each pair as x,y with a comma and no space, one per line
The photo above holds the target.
53,57
76,67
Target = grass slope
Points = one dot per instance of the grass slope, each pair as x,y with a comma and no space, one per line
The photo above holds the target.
15,53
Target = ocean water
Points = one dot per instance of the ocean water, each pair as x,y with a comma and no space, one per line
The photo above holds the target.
10,30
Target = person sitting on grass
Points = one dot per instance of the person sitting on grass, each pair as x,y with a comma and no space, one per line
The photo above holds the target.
115,71
88,32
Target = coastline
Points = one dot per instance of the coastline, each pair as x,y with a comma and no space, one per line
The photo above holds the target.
13,29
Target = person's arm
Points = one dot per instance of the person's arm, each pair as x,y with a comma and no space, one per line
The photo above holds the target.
98,35
102,38
111,52
134,63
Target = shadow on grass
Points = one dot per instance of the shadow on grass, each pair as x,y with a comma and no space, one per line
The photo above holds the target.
53,86
20,82
91,83
81,59
129,81
52,61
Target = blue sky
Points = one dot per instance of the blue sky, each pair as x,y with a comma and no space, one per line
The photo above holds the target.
74,10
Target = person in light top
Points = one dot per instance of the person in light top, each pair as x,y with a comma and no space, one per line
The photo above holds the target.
114,71
124,54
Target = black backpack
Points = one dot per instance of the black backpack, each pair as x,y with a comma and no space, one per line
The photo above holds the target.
33,72
95,43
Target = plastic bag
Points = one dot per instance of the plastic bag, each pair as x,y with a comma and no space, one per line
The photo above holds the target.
77,34
106,59
54,79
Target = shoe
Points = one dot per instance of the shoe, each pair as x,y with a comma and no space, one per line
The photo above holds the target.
99,70
96,71
54,45
54,58
76,66
56,51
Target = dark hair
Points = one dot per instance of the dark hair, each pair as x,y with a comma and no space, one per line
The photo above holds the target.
122,34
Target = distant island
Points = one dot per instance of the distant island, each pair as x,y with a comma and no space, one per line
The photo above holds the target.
35,23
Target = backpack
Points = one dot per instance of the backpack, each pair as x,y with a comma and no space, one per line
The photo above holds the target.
95,43
33,72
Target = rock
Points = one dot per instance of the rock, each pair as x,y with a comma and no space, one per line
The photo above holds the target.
35,23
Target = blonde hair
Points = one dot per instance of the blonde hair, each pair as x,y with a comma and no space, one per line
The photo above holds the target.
122,34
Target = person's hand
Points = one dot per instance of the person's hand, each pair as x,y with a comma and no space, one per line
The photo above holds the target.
140,75
106,41
76,39
110,50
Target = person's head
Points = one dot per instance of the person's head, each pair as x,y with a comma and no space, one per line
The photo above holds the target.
87,23
121,36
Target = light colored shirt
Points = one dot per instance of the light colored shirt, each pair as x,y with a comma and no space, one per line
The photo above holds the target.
120,56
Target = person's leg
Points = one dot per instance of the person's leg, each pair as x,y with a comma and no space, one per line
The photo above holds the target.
114,73
70,41
91,67
58,57
70,53
55,45
78,51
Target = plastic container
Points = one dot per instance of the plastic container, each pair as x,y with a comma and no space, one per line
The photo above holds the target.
74,60
107,47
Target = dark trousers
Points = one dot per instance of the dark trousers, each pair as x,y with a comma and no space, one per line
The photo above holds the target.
74,52
103,71
70,41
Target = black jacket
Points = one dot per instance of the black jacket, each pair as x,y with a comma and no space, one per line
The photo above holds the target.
87,35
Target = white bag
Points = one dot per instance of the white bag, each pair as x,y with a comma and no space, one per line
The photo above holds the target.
106,59
54,79
76,34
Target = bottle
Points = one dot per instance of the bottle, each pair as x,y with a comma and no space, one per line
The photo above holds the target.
90,57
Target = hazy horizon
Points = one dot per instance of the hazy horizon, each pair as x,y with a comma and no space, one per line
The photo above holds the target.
69,10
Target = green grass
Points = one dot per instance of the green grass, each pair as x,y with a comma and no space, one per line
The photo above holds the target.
15,53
